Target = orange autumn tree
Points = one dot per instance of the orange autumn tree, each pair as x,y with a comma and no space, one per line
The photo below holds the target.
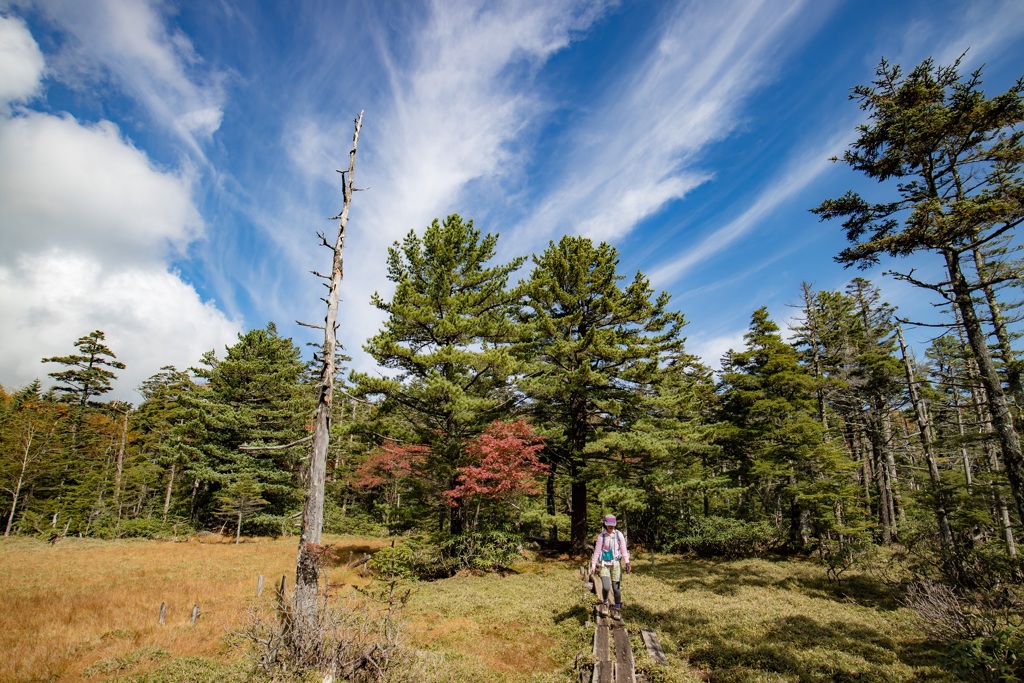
504,466
391,470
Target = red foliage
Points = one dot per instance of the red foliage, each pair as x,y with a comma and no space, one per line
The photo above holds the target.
505,464
389,462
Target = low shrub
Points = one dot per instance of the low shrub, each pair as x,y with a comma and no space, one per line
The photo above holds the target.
998,658
439,557
403,560
480,551
356,524
265,524
725,537
159,529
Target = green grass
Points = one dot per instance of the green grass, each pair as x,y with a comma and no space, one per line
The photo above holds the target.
762,620
746,620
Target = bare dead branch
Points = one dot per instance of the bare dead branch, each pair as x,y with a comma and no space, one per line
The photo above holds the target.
276,448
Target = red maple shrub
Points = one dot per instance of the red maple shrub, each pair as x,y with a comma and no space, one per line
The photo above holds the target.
505,464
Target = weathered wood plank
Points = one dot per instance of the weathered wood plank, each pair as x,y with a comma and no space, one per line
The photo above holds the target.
601,650
653,646
625,668
603,672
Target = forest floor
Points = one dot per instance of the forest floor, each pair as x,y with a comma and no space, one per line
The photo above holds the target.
87,610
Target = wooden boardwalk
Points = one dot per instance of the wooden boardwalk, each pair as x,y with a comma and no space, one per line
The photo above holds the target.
613,655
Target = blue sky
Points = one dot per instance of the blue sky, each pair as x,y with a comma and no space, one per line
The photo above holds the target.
164,166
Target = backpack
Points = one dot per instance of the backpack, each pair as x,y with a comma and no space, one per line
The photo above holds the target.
609,554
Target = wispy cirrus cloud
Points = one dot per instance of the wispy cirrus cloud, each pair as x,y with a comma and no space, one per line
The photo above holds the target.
641,149
460,98
802,169
132,44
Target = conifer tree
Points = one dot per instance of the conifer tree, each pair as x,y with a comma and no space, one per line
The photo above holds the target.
769,404
89,373
161,421
594,350
446,337
954,157
250,419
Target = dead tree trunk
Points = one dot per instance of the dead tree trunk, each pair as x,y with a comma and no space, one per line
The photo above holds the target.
928,444
306,632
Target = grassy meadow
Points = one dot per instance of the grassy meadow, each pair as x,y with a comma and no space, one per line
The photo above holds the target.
87,610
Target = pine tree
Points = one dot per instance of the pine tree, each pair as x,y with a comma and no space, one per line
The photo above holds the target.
446,337
595,350
90,372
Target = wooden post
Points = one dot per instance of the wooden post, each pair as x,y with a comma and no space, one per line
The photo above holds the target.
259,586
195,614
163,613
282,608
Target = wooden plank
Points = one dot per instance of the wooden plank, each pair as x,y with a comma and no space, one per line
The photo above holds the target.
625,669
653,646
603,672
601,650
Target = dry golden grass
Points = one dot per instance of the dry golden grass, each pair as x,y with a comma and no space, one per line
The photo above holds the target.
79,603
523,626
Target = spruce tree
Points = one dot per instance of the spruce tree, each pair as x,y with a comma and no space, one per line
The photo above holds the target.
769,403
250,419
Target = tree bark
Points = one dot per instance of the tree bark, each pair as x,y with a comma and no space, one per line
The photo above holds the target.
550,502
170,486
120,461
1011,364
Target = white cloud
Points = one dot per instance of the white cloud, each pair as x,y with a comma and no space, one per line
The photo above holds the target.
710,349
465,100
151,318
802,169
88,226
156,65
462,98
21,62
86,189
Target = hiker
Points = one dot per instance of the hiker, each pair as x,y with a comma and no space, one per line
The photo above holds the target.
610,553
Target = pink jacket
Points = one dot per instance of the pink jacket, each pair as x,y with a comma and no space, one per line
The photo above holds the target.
616,540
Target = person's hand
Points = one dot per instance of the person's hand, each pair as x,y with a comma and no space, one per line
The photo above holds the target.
629,568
